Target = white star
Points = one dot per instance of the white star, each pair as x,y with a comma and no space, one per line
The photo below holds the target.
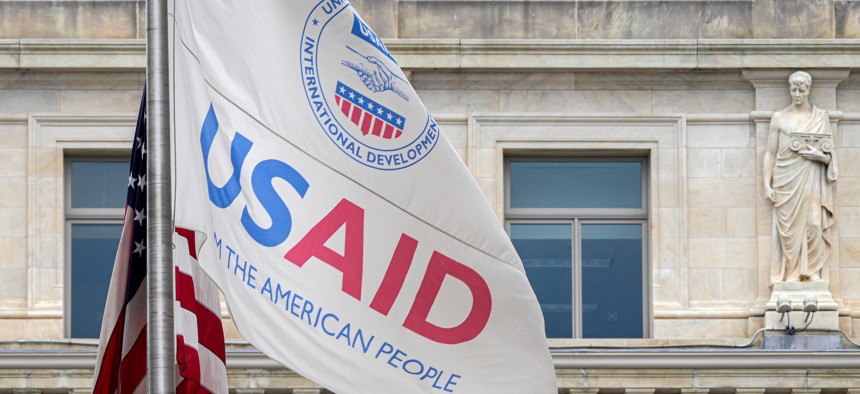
379,111
131,180
361,100
142,150
342,90
139,216
139,247
141,181
139,141
389,116
370,105
351,95
399,121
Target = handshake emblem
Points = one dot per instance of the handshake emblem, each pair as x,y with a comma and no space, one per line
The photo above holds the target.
376,76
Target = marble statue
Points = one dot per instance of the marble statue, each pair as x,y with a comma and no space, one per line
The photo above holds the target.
799,171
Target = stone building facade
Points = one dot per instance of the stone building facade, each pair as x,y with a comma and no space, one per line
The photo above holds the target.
685,87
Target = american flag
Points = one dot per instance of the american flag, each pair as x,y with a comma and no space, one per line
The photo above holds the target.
372,117
121,363
200,352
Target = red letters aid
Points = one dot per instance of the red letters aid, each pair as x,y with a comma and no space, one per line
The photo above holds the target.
345,213
440,268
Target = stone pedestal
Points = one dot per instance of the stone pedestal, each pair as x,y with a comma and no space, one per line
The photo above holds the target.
827,316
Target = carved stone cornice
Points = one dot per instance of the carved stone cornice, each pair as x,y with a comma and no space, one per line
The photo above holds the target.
824,79
73,54
483,54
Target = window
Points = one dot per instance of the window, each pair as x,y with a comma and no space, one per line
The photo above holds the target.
580,227
95,203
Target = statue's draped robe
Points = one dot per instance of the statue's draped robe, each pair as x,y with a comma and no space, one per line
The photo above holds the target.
804,206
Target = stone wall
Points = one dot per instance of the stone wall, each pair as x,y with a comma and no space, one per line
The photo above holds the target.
690,84
699,108
524,19
72,19
705,134
36,110
613,19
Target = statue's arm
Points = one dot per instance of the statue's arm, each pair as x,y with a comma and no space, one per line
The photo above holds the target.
816,154
822,157
769,154
832,171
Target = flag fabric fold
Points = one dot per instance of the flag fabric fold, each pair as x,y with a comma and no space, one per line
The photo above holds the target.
349,239
121,363
200,348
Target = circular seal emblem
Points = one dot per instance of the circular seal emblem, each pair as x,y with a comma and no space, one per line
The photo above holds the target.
358,94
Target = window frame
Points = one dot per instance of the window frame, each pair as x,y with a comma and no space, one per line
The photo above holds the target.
82,216
576,217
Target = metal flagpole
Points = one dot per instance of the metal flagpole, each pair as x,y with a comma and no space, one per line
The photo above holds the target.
161,335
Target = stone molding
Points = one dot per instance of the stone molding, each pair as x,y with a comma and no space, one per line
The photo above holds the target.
562,359
661,138
824,79
76,80
53,370
51,136
69,54
626,54
502,54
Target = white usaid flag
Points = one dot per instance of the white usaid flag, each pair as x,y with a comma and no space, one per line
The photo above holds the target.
349,239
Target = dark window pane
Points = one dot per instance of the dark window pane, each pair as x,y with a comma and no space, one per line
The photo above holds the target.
546,253
93,252
612,281
576,184
99,184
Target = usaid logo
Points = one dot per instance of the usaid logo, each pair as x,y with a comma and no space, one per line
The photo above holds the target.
358,93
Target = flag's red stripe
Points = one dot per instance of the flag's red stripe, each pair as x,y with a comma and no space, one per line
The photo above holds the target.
365,124
389,131
356,115
209,331
345,107
189,235
377,127
185,290
132,368
398,134
109,371
337,99
188,360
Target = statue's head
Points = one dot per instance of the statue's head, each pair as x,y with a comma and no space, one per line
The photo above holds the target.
798,85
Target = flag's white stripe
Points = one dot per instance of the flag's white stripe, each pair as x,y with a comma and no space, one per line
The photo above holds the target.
182,259
185,324
141,388
213,372
135,319
205,290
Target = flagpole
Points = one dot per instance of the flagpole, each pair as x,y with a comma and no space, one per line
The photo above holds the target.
161,335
